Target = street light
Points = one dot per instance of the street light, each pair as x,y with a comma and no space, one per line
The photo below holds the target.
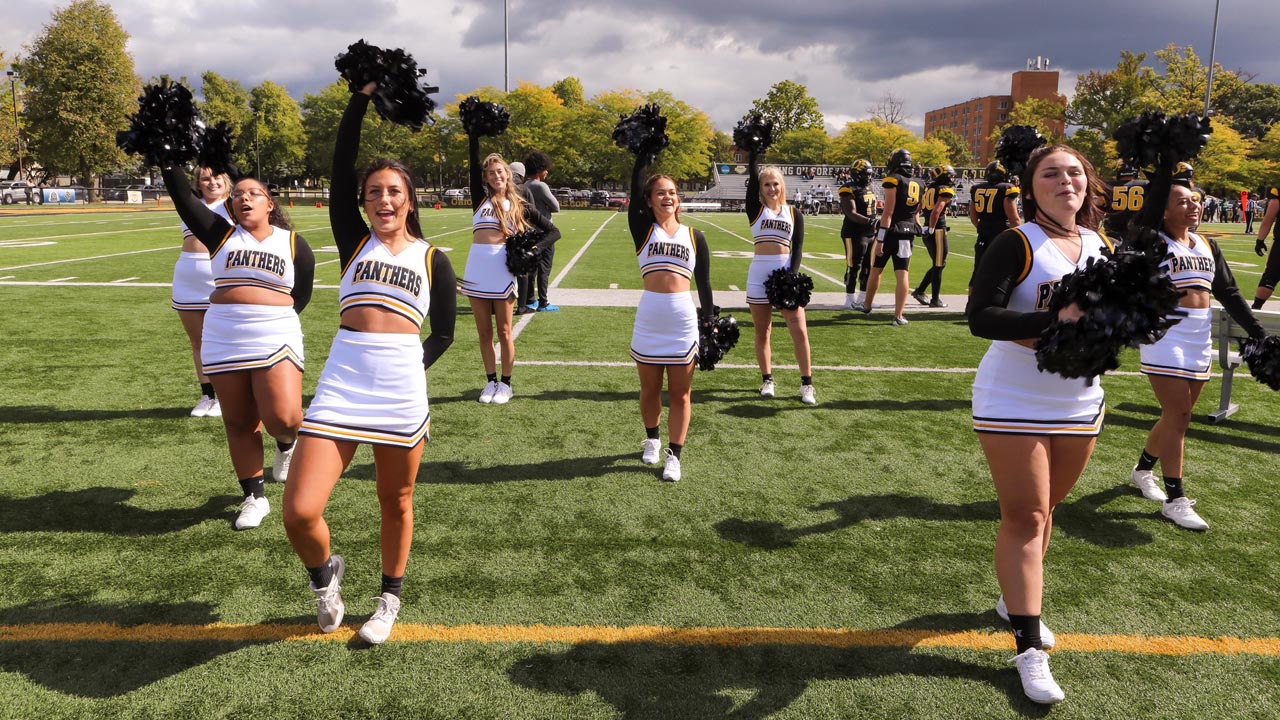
257,156
17,129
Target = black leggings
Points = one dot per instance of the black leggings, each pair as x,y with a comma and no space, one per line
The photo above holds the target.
939,257
857,261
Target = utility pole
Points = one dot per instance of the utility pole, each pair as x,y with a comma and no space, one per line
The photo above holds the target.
17,128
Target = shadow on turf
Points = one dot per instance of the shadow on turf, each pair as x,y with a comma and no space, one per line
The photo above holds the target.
653,680
50,414
103,510
472,395
1081,518
562,469
770,408
98,669
1228,433
880,316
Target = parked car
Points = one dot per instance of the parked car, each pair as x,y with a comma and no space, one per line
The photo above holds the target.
599,198
457,193
18,191
619,200
563,193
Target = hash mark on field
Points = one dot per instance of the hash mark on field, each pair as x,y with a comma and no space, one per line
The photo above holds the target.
124,280
58,280
1177,645
735,288
613,286
824,276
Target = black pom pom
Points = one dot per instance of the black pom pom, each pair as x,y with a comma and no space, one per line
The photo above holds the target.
401,97
1126,300
788,290
216,148
522,251
1263,358
166,130
481,119
753,133
643,132
715,339
1016,145
1151,137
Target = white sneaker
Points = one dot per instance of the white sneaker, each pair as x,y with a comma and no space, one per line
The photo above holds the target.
899,321
1037,681
329,607
202,408
851,301
859,297
1047,640
1145,480
215,409
376,629
768,389
503,394
252,510
486,395
1181,512
280,467
671,470
808,395
652,449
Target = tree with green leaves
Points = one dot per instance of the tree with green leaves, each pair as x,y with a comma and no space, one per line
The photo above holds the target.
276,133
80,90
808,146
9,131
570,92
871,140
226,100
789,106
1104,99
958,152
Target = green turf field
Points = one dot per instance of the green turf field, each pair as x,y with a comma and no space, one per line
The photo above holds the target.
824,562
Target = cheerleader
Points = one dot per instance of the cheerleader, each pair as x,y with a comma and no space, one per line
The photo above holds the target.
1271,273
499,211
895,231
1178,364
858,204
778,232
665,337
372,389
1037,429
251,344
193,283
937,198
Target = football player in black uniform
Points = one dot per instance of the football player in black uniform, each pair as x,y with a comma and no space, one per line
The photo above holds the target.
993,208
1271,273
1126,201
858,204
937,197
898,226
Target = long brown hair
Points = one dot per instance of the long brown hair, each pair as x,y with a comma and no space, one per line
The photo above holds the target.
1090,213
648,190
412,223
512,217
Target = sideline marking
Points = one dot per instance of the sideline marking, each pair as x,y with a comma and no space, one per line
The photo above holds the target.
836,368
125,280
93,257
527,318
824,276
605,634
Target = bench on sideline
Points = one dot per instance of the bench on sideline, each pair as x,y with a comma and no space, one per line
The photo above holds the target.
700,205
1226,332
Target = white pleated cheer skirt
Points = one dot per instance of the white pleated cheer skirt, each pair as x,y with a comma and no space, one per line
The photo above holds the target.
249,337
666,329
373,390
486,275
1010,395
1186,351
762,266
192,281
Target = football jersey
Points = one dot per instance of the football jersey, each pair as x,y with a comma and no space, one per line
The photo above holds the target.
906,197
988,205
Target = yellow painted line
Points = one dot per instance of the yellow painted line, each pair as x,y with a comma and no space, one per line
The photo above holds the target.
603,634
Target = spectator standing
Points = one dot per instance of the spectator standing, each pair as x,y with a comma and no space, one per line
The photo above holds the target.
537,166
1250,212
524,283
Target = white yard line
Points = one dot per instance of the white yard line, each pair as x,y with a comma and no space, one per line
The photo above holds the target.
80,235
824,276
92,257
60,280
582,251
824,368
125,280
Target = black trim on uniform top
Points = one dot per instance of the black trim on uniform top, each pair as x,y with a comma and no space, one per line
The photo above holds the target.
349,228
1226,291
443,313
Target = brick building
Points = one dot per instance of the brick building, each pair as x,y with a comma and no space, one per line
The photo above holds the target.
973,120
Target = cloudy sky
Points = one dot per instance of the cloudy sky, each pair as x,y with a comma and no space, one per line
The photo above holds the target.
715,54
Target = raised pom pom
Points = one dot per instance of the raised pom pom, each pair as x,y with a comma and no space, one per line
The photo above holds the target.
401,97
523,252
753,133
788,290
481,118
216,148
643,132
1015,146
715,339
166,130
1262,355
1152,136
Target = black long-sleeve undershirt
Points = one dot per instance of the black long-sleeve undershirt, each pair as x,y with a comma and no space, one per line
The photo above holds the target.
443,314
993,283
1225,291
640,222
474,172
210,228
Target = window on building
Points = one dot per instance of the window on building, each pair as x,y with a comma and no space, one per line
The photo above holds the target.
1003,105
978,106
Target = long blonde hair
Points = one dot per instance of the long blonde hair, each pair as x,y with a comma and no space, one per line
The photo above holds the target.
512,217
782,182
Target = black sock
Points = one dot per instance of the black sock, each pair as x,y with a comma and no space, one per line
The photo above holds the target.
206,389
253,486
1258,302
766,376
506,380
675,449
651,433
323,575
284,446
1026,631
491,377
1172,487
806,380
392,585
1146,461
